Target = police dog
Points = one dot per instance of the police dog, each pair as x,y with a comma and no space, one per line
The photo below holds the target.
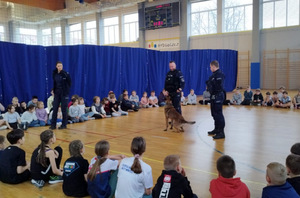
176,119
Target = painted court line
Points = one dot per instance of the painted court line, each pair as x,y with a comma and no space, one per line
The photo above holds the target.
185,167
160,137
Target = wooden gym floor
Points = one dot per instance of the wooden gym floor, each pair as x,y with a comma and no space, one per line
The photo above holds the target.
255,136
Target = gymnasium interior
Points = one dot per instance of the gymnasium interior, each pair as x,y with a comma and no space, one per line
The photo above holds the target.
112,45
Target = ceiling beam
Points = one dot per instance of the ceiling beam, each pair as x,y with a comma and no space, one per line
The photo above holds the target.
45,4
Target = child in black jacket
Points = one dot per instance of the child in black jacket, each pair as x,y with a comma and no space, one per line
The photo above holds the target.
172,183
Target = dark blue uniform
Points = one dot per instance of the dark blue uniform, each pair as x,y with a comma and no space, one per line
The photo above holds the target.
61,88
216,89
173,82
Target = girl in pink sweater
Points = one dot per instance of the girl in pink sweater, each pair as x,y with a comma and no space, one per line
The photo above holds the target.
144,101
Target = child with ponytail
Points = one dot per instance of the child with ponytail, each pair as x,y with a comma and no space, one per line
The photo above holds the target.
99,175
135,176
45,161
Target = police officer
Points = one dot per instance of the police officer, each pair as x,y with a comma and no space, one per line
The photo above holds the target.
174,84
216,89
61,89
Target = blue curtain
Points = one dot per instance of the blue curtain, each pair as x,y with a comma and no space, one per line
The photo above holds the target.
26,70
22,72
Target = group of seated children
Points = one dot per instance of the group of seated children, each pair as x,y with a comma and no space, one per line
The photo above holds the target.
191,99
126,177
280,100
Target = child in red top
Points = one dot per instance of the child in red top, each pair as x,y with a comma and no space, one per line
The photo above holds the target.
225,185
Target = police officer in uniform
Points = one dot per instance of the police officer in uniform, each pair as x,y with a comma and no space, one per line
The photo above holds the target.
216,89
174,84
61,89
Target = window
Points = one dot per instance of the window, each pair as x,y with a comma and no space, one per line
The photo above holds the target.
91,33
280,13
47,38
1,33
111,30
75,34
131,27
28,36
237,15
204,17
57,36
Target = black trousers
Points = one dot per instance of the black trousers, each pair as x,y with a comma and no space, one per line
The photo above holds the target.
60,99
16,179
175,97
14,125
216,107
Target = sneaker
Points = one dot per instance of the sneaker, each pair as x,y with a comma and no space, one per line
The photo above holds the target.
55,179
70,122
38,183
156,105
3,127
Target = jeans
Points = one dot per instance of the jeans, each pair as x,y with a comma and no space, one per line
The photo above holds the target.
42,123
162,104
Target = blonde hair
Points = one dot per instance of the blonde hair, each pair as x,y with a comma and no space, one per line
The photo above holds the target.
39,103
14,99
171,162
277,173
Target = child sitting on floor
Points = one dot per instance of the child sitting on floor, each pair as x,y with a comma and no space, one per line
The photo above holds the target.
285,101
127,105
105,108
33,101
12,118
205,97
293,169
275,99
101,179
75,171
153,101
114,106
74,96
235,188
135,176
15,103
247,96
192,98
144,101
280,92
86,115
96,108
23,106
257,98
50,101
162,98
45,161
29,118
183,99
278,187
59,117
296,100
134,98
172,182
41,114
13,166
268,100
236,97
75,112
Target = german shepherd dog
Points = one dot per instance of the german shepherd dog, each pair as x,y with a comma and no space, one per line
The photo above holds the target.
176,119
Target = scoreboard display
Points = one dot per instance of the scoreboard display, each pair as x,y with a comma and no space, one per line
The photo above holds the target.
162,16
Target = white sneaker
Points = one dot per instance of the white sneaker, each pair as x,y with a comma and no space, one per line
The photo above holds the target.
3,127
156,105
38,183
